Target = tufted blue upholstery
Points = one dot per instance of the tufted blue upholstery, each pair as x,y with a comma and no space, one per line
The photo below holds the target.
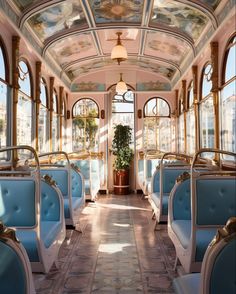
156,182
50,203
12,273
189,284
182,201
17,202
169,178
61,178
76,182
76,203
84,167
182,229
156,198
151,166
28,239
223,275
216,201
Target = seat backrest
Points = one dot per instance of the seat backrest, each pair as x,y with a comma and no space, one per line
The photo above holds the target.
76,183
60,176
18,201
168,176
214,199
84,167
219,264
152,164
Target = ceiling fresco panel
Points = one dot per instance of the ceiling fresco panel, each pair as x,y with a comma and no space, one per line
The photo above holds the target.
73,48
212,3
180,16
165,46
119,11
57,18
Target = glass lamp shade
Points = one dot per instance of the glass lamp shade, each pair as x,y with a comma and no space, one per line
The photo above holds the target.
119,52
121,87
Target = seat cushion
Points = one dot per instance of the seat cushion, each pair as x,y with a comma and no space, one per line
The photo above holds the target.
182,229
156,199
188,284
49,231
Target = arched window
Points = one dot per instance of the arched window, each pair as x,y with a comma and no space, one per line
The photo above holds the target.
24,106
206,115
85,125
43,127
181,147
157,125
64,124
55,122
4,101
228,98
190,121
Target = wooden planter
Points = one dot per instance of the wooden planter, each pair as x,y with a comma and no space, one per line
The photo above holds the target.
121,182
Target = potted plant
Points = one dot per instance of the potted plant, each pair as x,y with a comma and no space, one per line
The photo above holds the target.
124,155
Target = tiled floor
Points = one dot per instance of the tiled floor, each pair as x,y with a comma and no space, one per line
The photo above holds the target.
118,252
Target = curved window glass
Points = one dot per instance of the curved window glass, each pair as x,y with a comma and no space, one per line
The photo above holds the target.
228,99
24,106
157,127
55,123
206,115
85,133
4,103
43,126
190,121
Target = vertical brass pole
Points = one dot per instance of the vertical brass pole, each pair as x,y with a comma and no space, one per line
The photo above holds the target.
215,89
61,92
15,90
196,105
184,110
51,89
37,101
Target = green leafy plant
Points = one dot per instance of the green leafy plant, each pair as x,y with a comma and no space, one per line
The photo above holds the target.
120,147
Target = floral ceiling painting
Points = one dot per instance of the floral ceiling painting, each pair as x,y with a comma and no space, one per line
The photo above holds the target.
165,46
72,48
150,65
180,16
107,11
88,67
87,87
57,18
153,86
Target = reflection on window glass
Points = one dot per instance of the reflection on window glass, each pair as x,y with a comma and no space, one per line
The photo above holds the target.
24,78
3,115
206,82
207,123
43,129
181,134
230,70
24,120
157,128
2,66
228,117
85,127
190,129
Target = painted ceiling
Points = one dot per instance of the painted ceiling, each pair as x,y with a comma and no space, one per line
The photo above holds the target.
159,35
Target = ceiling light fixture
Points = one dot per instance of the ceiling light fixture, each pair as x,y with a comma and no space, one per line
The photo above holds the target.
119,52
121,86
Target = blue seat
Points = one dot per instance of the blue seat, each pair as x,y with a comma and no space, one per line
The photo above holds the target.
15,270
70,183
198,206
163,181
36,213
218,268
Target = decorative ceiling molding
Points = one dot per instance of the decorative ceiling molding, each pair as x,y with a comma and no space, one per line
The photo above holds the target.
147,12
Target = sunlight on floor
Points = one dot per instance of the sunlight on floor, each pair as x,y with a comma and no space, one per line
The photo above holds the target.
123,207
113,247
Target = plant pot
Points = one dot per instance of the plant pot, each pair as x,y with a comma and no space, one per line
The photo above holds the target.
121,182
